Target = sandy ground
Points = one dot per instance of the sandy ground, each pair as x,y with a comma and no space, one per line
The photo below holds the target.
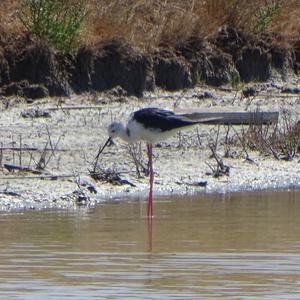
72,138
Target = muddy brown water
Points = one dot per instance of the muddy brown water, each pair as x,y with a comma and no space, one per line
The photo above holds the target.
232,246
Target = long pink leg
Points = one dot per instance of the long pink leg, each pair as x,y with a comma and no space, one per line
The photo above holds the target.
149,223
151,179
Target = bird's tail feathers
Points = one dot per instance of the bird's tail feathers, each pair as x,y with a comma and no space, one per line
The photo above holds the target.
195,120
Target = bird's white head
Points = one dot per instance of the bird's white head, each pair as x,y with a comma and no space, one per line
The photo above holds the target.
116,129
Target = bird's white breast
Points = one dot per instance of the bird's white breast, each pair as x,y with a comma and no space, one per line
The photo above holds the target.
136,132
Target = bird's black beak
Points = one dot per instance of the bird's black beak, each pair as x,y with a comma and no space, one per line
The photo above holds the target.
109,140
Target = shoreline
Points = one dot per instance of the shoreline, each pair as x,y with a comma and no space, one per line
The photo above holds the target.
75,136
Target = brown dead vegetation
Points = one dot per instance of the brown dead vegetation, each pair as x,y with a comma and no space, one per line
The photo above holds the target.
9,25
150,23
281,140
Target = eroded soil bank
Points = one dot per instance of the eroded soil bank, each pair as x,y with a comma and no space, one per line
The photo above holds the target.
55,141
34,70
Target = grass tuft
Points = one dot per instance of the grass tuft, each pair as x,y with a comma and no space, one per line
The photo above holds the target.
56,21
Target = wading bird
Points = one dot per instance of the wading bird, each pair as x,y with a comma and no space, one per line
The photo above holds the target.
150,125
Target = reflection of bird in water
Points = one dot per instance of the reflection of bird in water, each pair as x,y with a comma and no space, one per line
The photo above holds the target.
150,125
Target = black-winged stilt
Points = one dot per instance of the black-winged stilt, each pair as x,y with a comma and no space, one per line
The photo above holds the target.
151,125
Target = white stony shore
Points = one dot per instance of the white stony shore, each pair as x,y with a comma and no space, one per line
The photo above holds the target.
178,162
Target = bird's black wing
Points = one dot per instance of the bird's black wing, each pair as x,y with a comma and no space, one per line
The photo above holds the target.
160,119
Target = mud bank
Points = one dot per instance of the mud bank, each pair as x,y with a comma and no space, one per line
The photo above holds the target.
34,70
55,140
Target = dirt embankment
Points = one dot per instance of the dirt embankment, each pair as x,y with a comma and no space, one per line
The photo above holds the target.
34,70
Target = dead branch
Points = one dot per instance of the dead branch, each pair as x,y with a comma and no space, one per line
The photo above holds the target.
12,167
51,177
135,152
82,107
10,193
221,169
110,176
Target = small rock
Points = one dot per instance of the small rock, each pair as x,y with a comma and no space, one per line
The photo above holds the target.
276,85
82,198
204,95
35,91
26,90
198,183
79,197
35,113
117,91
290,90
249,91
14,88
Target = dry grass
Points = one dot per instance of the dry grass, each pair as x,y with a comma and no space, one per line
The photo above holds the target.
150,23
286,21
9,25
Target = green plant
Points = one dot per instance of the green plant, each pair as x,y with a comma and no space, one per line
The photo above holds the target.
265,15
56,21
235,80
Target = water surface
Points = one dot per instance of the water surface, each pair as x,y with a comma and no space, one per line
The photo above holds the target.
233,246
